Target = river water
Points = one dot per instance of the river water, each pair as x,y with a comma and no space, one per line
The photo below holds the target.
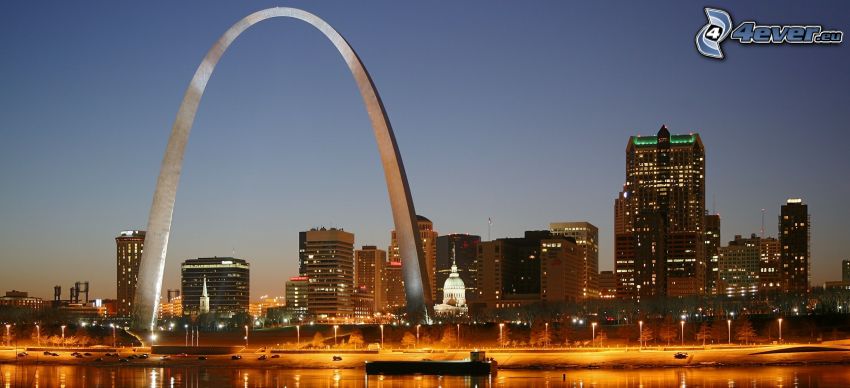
87,376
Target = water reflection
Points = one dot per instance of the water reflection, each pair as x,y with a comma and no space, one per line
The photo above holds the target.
79,376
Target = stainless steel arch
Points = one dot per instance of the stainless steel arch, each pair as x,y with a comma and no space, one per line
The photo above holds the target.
159,222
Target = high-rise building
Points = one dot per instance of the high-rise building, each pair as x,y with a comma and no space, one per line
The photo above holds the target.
429,248
226,281
392,284
330,273
562,263
302,253
845,270
509,269
369,265
129,244
794,240
770,269
624,248
296,297
712,244
586,235
738,267
465,248
607,285
661,214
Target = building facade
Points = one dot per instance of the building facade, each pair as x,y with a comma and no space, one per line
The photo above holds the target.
845,270
227,284
607,285
586,235
770,268
712,245
738,267
296,297
369,262
392,285
129,246
661,215
562,264
21,299
330,273
794,238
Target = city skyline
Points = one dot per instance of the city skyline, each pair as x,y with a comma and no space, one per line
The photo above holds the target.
94,161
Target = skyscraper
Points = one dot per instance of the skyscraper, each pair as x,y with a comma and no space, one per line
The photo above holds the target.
429,248
661,215
226,281
586,236
712,244
369,265
794,245
770,268
465,248
509,269
392,284
738,267
330,273
296,297
129,244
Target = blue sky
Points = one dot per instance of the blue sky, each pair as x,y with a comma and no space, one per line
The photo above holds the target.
519,112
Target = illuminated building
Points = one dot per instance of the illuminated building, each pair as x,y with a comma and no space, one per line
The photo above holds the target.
661,215
770,269
586,236
392,284
224,280
845,270
429,248
129,245
712,244
465,248
738,267
607,285
330,273
454,293
509,269
369,262
794,246
296,297
562,264
21,299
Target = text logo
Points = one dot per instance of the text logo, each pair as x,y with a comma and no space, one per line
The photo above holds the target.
719,27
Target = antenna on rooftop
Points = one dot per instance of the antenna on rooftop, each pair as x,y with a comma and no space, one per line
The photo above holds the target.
762,223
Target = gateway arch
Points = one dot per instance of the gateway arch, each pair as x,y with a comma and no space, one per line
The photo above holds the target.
159,221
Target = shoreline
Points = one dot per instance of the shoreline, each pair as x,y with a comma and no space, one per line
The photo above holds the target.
513,359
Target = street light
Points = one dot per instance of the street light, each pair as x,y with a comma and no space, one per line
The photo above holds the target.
112,325
683,332
546,334
382,335
729,327
501,339
458,335
38,334
640,335
246,336
298,332
8,339
335,327
186,327
63,334
593,338
780,330
417,335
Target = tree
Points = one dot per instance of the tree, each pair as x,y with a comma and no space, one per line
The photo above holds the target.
540,335
668,330
704,333
355,338
408,340
601,337
744,331
318,340
449,337
504,338
720,331
646,335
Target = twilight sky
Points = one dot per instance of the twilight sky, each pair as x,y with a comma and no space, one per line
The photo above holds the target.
505,110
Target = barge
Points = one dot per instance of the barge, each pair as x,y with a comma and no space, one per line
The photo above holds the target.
476,365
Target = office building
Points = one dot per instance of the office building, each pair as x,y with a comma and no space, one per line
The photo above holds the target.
607,285
712,245
392,284
738,267
296,297
845,270
661,214
222,282
794,241
369,262
129,245
562,263
770,268
22,300
586,235
509,269
330,273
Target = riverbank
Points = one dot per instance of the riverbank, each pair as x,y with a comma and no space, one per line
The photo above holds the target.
508,359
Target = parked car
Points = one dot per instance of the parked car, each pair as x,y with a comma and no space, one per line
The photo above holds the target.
165,358
46,353
276,356
87,354
680,355
98,359
122,360
262,358
202,358
23,354
235,357
337,358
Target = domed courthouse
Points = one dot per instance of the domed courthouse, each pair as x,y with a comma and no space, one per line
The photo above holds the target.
454,293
